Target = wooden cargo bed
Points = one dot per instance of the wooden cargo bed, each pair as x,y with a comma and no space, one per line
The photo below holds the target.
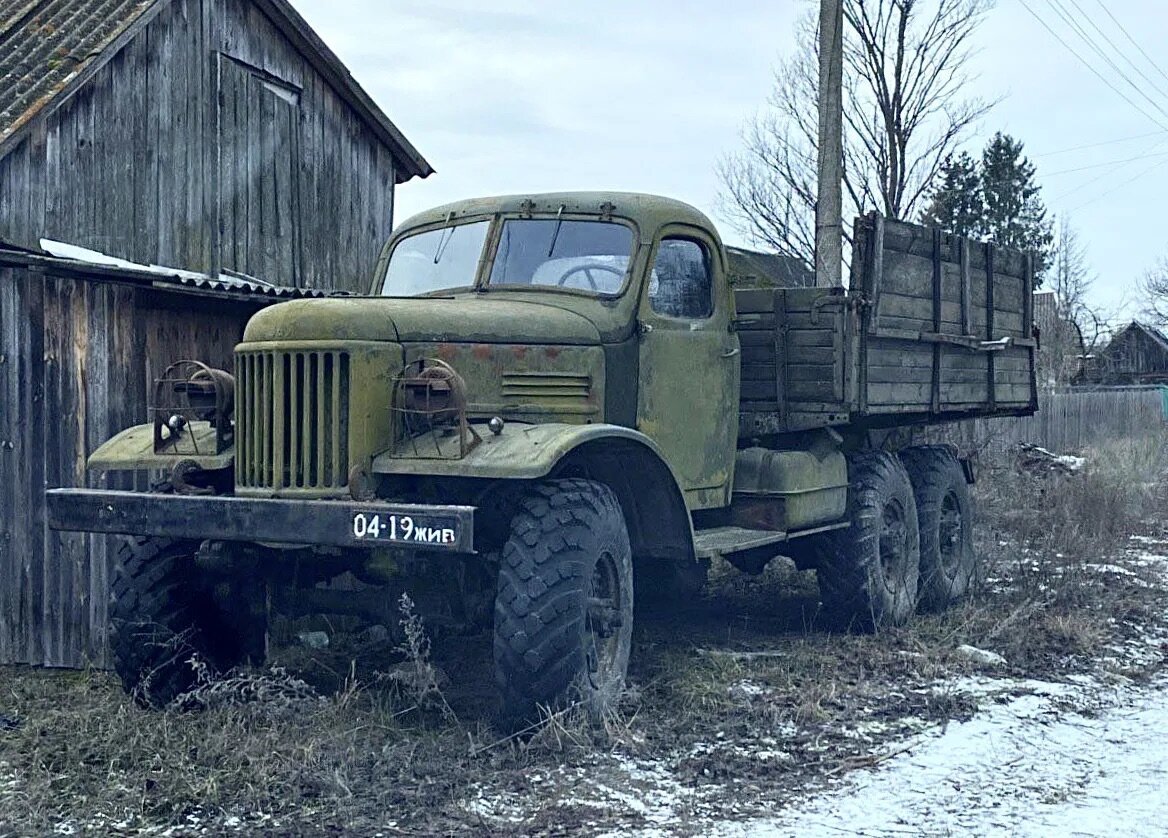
934,328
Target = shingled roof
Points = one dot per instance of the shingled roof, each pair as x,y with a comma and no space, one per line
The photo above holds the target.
755,269
46,45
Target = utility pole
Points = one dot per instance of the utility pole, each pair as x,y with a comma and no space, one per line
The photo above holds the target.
829,203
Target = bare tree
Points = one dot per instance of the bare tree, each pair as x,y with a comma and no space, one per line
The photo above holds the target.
904,113
1153,290
1072,330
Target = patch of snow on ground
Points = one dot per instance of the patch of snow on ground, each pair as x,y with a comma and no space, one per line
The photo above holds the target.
1021,768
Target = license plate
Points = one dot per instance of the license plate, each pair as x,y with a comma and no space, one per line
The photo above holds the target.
416,530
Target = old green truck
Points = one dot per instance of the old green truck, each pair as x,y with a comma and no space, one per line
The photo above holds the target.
549,407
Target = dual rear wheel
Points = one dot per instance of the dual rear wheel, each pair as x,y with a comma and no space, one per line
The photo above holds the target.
909,545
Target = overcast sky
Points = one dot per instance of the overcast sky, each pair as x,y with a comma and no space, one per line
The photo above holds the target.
523,95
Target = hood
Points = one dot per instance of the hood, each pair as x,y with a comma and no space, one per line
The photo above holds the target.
473,319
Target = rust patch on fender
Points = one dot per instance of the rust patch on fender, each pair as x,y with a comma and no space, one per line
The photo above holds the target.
552,352
520,352
447,351
482,351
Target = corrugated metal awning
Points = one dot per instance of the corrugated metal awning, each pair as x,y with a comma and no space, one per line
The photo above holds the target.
160,278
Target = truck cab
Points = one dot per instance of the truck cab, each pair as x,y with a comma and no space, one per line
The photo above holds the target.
573,309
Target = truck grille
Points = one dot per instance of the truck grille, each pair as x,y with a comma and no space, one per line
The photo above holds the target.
292,419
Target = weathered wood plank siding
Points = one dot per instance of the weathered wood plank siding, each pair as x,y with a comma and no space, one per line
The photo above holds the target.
77,361
209,141
1071,421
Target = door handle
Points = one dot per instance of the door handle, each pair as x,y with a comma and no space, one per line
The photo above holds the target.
730,353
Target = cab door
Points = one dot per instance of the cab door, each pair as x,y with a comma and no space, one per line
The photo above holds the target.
689,364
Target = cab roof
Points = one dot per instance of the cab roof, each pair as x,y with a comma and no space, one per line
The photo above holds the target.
649,212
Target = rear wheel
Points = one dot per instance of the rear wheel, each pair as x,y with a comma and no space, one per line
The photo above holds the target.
564,606
868,573
162,617
945,510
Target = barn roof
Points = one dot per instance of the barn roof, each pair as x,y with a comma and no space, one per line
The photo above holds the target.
1155,335
49,47
755,268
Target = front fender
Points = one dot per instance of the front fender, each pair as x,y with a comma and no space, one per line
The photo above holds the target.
520,452
133,450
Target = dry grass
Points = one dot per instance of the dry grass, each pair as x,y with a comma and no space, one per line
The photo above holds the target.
394,748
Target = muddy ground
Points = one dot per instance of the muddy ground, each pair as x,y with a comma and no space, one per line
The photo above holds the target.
742,716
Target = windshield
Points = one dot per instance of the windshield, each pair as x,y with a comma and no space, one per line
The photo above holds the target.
584,255
590,256
435,260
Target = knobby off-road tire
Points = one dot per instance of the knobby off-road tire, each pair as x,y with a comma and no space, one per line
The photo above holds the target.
949,564
161,617
564,606
868,573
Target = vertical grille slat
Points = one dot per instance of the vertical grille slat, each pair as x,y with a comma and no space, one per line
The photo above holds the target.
311,396
335,401
292,427
295,411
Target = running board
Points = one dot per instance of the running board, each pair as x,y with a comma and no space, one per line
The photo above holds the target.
723,541
719,541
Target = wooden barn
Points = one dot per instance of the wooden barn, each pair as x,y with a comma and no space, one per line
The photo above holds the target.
214,135
1137,354
219,136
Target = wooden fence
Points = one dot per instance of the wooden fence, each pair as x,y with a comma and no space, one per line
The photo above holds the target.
1072,420
79,349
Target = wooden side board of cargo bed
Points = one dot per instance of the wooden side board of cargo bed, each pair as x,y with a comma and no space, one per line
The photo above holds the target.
934,328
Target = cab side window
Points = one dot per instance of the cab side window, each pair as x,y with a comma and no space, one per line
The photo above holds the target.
682,282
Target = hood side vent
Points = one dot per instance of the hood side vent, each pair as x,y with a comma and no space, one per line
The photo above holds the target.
547,393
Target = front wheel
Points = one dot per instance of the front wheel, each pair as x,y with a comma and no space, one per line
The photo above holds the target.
564,606
163,617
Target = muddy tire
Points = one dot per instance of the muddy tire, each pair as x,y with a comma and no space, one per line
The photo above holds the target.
564,606
161,618
949,564
868,573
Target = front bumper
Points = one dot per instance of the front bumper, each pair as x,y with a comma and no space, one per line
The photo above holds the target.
331,523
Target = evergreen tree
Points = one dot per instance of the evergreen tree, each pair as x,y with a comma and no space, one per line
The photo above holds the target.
956,206
996,199
1014,213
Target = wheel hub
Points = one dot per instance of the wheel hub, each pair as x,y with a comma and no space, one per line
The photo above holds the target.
602,619
950,532
893,544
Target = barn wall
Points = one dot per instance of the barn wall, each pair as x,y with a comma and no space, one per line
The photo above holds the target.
1133,357
77,359
278,177
345,177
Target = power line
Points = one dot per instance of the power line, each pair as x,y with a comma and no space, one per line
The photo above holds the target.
1115,188
1090,66
1118,51
1069,19
1096,145
1144,156
1116,167
1127,34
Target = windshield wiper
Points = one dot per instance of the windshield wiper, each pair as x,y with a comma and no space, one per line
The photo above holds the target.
444,239
556,232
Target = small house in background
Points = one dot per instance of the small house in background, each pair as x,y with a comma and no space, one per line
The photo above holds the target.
215,136
1136,354
210,135
755,269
